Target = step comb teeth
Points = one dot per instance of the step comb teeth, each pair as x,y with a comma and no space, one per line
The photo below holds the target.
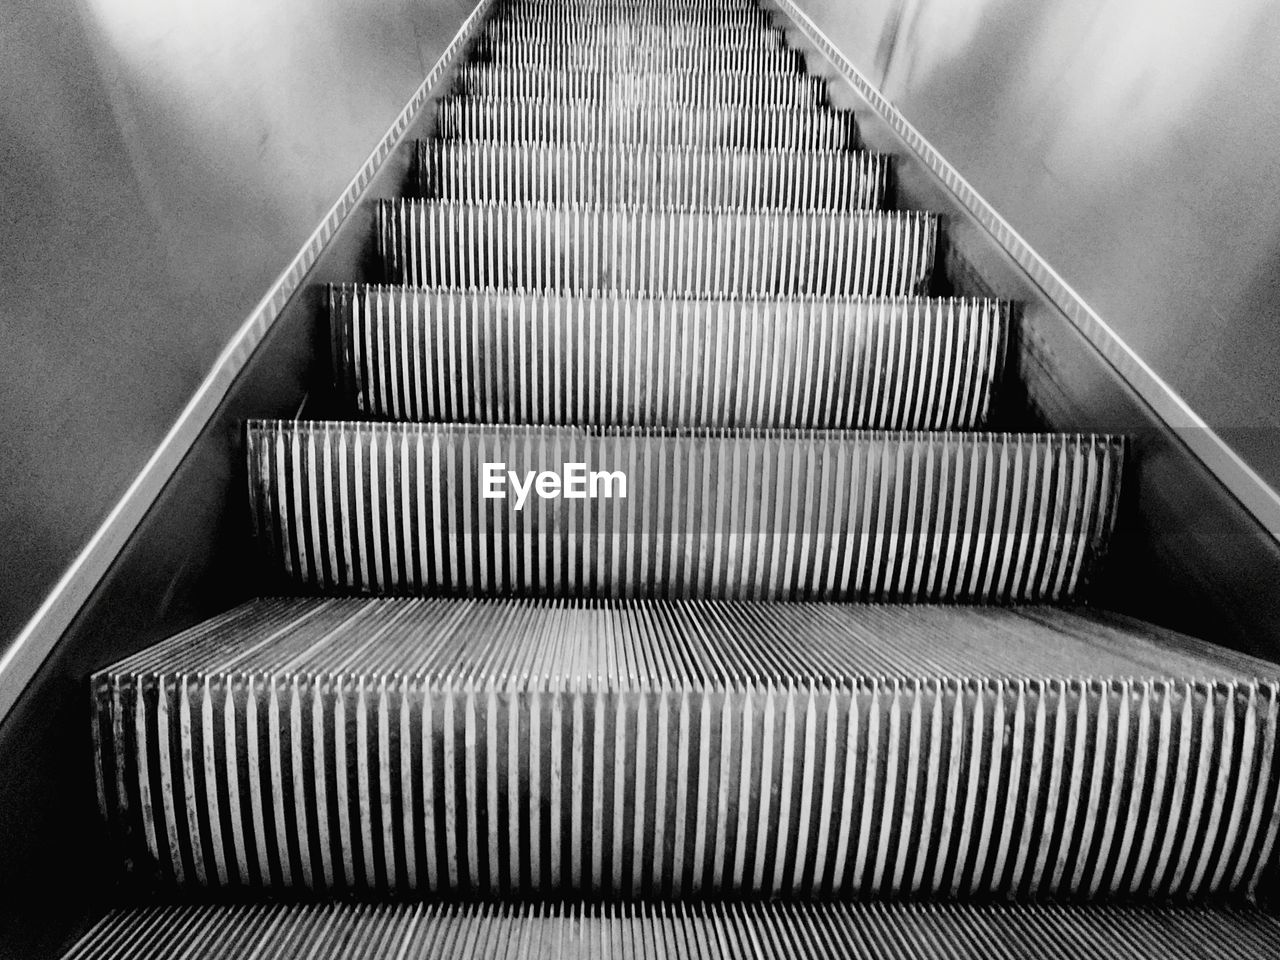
616,89
759,128
500,357
746,514
640,250
691,749
729,931
748,180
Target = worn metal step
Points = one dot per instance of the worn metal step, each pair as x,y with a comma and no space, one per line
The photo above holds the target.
589,53
646,250
629,89
692,749
748,514
759,128
479,171
733,931
503,357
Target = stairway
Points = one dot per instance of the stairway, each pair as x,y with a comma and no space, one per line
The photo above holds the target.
672,570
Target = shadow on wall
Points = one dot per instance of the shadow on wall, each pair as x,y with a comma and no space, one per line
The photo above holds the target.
160,164
1133,143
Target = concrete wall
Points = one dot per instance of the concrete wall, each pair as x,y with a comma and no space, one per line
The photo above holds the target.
160,164
1136,145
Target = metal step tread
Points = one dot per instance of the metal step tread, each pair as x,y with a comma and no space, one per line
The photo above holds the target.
618,646
349,931
663,176
651,250
499,356
689,749
734,513
766,126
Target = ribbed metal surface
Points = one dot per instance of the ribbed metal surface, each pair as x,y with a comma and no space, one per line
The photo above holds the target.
691,748
514,33
648,251
501,357
396,508
623,89
721,126
746,180
729,932
688,15
588,50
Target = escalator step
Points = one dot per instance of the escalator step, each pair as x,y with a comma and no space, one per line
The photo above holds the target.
623,89
645,250
742,15
768,127
692,748
504,172
516,33
592,52
749,514
501,357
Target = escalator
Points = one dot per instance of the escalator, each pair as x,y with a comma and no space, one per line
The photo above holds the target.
672,580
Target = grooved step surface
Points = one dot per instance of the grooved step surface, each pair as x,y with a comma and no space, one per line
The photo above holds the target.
726,513
590,51
616,88
744,15
651,251
766,127
674,749
515,33
494,356
730,932
480,171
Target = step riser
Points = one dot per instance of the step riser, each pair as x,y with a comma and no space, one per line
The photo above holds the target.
471,171
628,89
506,358
656,252
400,508
766,128
875,788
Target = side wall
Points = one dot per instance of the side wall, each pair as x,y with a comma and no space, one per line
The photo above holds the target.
1133,144
160,165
